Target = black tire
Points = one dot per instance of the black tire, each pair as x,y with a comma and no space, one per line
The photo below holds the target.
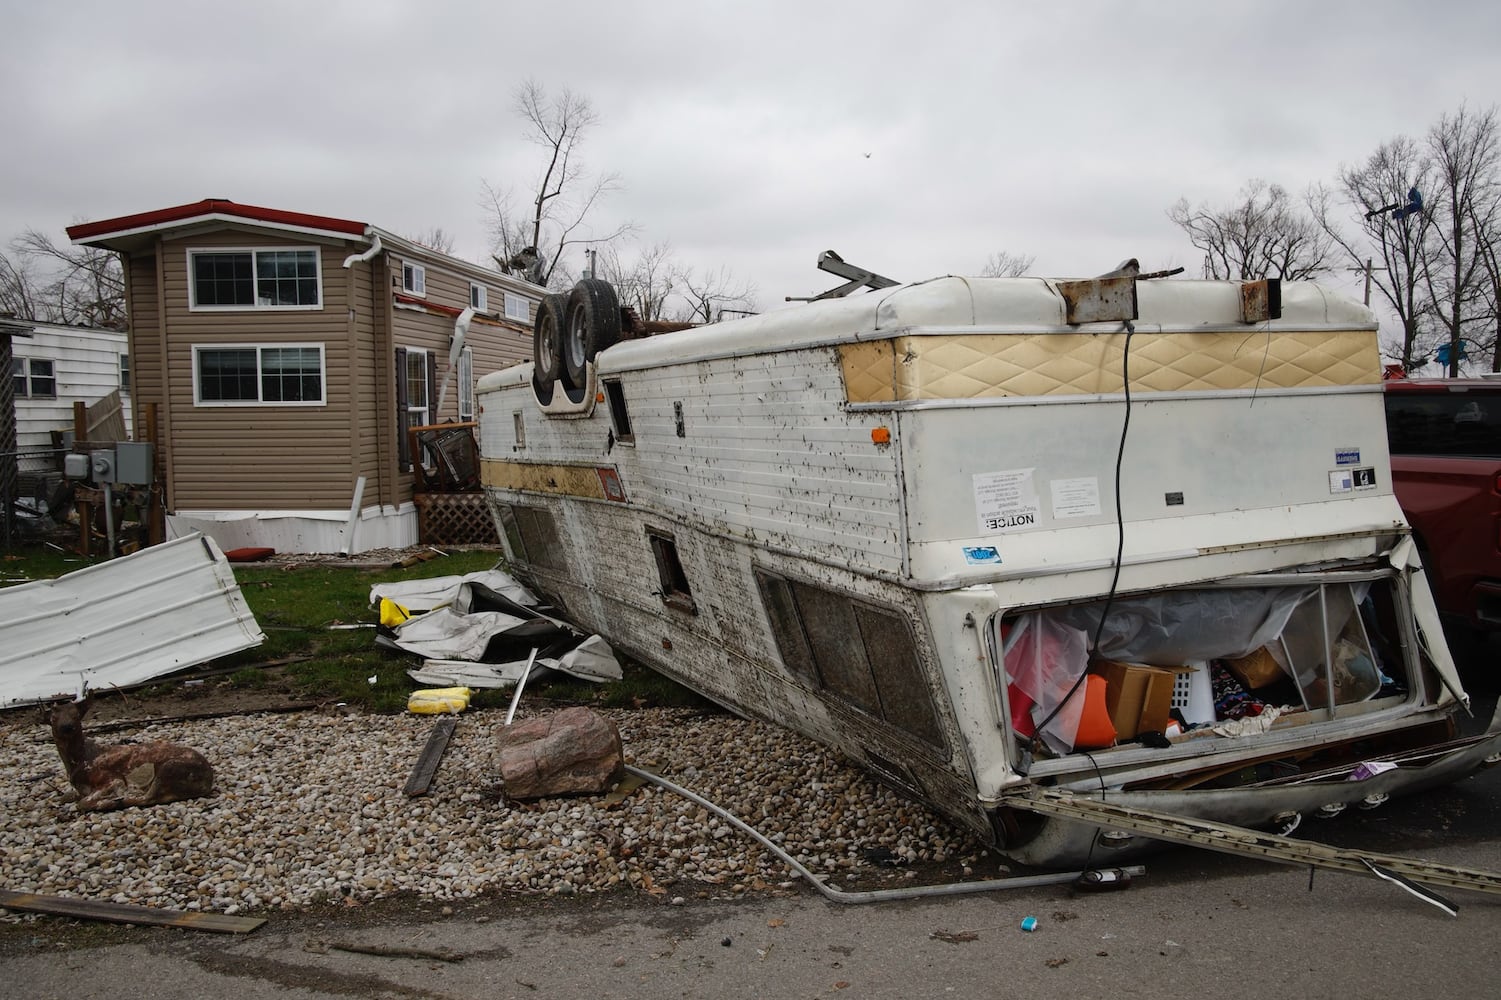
547,343
592,326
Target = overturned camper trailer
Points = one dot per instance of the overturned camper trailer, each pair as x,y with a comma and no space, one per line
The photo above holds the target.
983,535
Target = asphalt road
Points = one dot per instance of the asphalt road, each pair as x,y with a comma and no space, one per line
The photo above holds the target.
1199,924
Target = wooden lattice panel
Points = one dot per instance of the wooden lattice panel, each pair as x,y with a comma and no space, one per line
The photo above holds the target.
454,519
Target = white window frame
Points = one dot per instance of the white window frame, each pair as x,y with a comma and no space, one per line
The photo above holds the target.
427,359
21,380
198,399
413,278
193,305
518,308
465,376
479,297
125,374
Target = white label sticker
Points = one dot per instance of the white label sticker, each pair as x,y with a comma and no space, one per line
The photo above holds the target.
1006,501
1340,481
1075,497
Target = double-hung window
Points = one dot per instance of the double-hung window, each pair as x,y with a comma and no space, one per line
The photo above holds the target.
517,308
415,392
258,374
125,373
466,384
35,378
272,278
414,278
479,297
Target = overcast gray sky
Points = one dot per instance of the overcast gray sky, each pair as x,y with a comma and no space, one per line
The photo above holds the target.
915,140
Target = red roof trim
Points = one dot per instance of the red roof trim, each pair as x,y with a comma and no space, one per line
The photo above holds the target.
164,217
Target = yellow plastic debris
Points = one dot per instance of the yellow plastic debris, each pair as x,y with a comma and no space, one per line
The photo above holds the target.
391,613
437,701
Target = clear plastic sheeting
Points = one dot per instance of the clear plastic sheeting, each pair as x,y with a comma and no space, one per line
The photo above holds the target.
1186,626
1044,659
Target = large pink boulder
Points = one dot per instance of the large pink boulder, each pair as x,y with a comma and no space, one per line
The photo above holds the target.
573,752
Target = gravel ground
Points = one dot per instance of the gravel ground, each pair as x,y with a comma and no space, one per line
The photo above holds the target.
309,809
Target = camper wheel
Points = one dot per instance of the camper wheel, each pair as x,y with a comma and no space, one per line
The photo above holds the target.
547,342
593,325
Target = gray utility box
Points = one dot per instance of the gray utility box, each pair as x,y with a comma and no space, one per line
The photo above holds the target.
128,463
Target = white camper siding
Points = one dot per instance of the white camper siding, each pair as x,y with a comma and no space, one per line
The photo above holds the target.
766,446
86,367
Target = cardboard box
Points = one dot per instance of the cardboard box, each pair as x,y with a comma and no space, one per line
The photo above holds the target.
1138,696
1256,670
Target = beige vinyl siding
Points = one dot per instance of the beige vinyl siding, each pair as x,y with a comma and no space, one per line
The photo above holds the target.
259,457
370,380
144,336
496,344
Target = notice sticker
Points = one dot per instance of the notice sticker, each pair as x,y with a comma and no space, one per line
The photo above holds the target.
981,554
1341,481
1365,479
1347,456
1006,501
1075,497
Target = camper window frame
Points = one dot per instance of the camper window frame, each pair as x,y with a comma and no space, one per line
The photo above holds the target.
620,417
887,697
677,591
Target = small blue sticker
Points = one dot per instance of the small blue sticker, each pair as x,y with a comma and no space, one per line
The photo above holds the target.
1347,456
981,554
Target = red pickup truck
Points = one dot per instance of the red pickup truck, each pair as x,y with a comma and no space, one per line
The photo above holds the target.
1445,438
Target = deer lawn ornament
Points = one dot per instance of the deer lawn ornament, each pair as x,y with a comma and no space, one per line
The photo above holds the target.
130,774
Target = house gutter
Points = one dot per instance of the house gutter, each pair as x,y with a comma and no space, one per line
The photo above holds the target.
368,255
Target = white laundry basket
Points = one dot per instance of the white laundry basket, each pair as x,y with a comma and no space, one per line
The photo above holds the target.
1193,694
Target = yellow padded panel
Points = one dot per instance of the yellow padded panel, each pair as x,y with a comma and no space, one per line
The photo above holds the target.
978,366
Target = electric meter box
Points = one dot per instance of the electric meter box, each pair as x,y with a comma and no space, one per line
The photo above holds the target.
133,463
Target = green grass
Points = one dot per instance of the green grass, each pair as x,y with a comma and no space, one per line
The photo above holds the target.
296,608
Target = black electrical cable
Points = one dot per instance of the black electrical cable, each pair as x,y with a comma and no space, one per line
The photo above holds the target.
1120,528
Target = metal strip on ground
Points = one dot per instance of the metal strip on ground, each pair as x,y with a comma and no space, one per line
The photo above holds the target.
1246,842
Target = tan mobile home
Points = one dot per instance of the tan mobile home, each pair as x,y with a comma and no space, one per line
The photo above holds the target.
288,353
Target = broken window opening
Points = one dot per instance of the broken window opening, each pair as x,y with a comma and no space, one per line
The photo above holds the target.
675,591
620,418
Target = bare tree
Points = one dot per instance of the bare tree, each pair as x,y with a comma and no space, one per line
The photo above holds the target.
18,287
1261,235
1005,264
565,191
648,283
1391,245
715,292
434,238
87,287
1466,151
1491,285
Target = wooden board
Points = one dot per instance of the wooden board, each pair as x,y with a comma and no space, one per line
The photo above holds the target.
125,913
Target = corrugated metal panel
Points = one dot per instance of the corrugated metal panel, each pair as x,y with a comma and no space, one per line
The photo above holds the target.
121,622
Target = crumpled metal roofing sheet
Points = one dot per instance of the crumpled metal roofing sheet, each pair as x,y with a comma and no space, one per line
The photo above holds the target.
121,622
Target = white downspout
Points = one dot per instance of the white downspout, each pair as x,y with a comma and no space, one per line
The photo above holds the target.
455,348
360,258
